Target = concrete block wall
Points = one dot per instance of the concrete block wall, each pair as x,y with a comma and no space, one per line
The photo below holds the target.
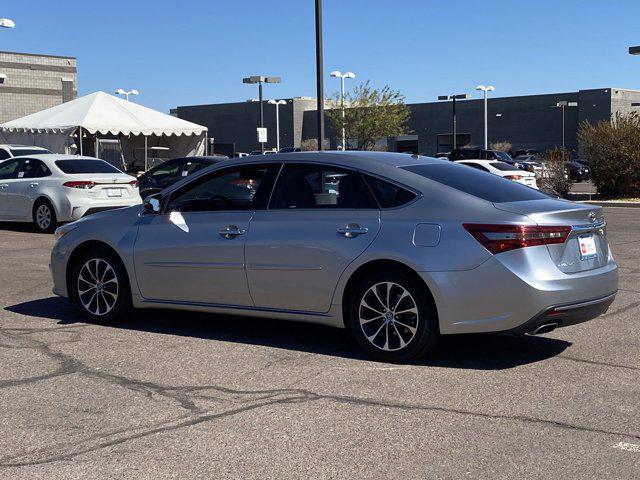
35,82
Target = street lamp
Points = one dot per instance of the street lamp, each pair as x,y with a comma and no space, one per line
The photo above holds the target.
453,98
563,104
485,89
634,50
277,103
126,93
342,76
260,79
7,23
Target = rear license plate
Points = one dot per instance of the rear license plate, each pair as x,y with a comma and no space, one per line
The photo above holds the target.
587,247
114,192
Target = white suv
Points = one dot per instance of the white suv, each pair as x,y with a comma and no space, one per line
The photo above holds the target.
47,189
9,151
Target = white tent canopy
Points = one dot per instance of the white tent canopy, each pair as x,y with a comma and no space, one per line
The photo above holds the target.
102,114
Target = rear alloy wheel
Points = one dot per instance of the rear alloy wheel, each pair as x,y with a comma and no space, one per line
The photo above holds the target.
44,217
100,287
392,317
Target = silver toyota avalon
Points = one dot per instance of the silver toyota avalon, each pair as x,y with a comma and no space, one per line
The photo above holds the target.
398,249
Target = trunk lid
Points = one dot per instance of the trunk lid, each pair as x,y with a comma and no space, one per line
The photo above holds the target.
586,248
108,185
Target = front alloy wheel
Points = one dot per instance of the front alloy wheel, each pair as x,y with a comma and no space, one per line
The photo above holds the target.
97,287
101,287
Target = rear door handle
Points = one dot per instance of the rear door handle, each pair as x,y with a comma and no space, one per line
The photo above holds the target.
352,230
33,184
231,231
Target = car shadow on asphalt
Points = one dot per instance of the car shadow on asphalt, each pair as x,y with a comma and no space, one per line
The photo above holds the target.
17,227
476,352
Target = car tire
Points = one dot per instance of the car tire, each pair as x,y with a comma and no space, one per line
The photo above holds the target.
44,217
393,317
100,287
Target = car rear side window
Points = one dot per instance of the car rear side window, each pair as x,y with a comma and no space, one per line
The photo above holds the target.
32,168
72,166
320,186
492,188
388,194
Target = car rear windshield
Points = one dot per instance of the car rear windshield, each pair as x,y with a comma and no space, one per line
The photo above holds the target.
85,166
503,166
19,152
476,182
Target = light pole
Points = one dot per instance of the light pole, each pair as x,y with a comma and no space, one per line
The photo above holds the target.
453,98
277,103
319,75
634,50
342,76
126,93
563,104
7,23
260,79
485,89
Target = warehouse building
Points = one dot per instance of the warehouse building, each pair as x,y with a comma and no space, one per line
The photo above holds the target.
30,83
531,121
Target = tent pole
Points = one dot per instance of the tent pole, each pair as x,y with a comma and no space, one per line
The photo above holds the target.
145,153
206,143
96,145
80,136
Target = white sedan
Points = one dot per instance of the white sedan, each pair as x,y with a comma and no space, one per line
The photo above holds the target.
48,189
503,170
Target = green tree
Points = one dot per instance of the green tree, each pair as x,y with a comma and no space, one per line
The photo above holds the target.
613,152
370,114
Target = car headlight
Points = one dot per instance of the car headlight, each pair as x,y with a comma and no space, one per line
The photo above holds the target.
63,230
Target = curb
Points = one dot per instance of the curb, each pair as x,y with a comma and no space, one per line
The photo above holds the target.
611,204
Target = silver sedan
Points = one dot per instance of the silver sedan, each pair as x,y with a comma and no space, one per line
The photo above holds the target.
398,249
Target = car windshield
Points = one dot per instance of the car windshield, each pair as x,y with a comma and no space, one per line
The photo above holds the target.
503,166
505,157
19,152
492,188
85,166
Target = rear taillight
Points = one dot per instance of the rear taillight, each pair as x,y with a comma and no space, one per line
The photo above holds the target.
134,183
502,238
513,177
82,184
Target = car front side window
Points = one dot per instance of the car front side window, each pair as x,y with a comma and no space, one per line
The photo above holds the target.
237,188
9,169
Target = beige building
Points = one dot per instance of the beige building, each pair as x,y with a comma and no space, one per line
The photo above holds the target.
30,83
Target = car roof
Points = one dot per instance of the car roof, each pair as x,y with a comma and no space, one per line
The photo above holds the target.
18,147
479,160
49,158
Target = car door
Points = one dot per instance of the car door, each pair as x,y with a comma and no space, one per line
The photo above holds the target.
9,170
320,218
193,251
32,174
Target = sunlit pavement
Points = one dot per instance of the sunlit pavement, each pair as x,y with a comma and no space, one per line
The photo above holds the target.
175,395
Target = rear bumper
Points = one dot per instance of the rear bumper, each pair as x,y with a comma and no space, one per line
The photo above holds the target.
566,315
509,294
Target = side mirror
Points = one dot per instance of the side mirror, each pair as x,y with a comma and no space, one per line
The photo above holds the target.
152,204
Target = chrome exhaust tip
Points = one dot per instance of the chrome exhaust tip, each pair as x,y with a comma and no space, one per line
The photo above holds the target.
544,328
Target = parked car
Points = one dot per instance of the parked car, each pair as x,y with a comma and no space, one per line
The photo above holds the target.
9,151
503,170
48,189
256,152
526,151
481,154
531,163
577,172
400,251
289,150
169,172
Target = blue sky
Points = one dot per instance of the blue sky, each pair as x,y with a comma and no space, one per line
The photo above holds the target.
197,51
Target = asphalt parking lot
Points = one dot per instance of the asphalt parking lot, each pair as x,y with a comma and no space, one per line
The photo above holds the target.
175,395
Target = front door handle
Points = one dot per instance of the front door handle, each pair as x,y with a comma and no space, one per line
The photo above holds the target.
4,185
231,231
352,230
